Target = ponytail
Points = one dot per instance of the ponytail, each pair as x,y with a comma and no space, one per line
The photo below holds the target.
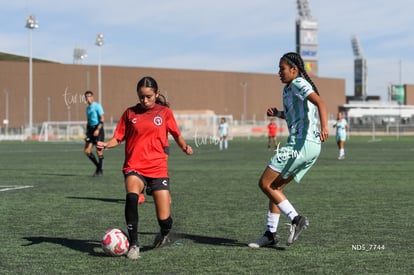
162,100
294,59
150,82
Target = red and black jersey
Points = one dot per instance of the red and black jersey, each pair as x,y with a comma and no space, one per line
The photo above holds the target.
272,127
145,132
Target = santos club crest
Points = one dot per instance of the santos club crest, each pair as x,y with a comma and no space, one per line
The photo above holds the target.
158,120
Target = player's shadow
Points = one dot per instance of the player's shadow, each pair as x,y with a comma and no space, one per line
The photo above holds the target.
98,199
60,174
175,238
215,240
208,240
86,246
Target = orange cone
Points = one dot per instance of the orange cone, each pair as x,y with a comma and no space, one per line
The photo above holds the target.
141,198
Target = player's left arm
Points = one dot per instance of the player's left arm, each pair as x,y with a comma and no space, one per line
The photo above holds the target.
100,125
172,128
101,122
323,114
102,118
183,145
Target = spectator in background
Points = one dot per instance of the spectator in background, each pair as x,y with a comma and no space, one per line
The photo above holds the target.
272,132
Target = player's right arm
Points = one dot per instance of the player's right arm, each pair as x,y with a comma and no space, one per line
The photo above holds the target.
272,111
113,142
119,134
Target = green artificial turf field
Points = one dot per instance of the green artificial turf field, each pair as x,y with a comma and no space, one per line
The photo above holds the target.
53,212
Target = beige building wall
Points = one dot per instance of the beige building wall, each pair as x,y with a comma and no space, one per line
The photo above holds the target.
58,91
409,94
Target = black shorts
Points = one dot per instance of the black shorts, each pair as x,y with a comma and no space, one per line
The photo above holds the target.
151,184
90,138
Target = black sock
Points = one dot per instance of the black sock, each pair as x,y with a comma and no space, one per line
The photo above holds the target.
100,163
165,225
93,159
131,217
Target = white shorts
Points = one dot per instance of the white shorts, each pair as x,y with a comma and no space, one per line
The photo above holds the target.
295,158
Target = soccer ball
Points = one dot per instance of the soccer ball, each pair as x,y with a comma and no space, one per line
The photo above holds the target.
115,242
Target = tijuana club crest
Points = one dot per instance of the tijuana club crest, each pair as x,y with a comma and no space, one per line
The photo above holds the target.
158,120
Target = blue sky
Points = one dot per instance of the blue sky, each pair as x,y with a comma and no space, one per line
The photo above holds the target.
219,35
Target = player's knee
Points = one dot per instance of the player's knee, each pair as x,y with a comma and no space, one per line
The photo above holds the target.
87,150
262,185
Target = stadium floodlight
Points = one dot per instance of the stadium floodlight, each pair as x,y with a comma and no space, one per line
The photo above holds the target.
360,69
79,55
31,24
304,9
356,47
99,42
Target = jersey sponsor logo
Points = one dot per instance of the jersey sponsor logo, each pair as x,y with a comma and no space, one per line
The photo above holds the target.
283,154
158,120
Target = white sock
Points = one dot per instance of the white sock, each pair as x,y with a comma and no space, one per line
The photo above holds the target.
287,209
225,144
341,152
221,145
272,222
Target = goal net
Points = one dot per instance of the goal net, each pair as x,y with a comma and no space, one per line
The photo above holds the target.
201,125
62,130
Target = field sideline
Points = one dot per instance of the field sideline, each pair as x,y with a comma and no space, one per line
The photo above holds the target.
53,212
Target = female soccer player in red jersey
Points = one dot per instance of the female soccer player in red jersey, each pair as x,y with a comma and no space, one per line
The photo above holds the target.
144,128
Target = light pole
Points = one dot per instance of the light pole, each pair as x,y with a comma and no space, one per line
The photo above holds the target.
99,42
49,114
6,119
31,24
244,85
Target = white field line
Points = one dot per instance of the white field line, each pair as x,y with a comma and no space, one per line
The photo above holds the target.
13,187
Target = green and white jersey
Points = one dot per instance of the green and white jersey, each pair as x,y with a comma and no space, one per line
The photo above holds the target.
223,128
301,115
341,127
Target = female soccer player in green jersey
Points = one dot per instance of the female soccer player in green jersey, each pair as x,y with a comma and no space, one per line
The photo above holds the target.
306,117
340,126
